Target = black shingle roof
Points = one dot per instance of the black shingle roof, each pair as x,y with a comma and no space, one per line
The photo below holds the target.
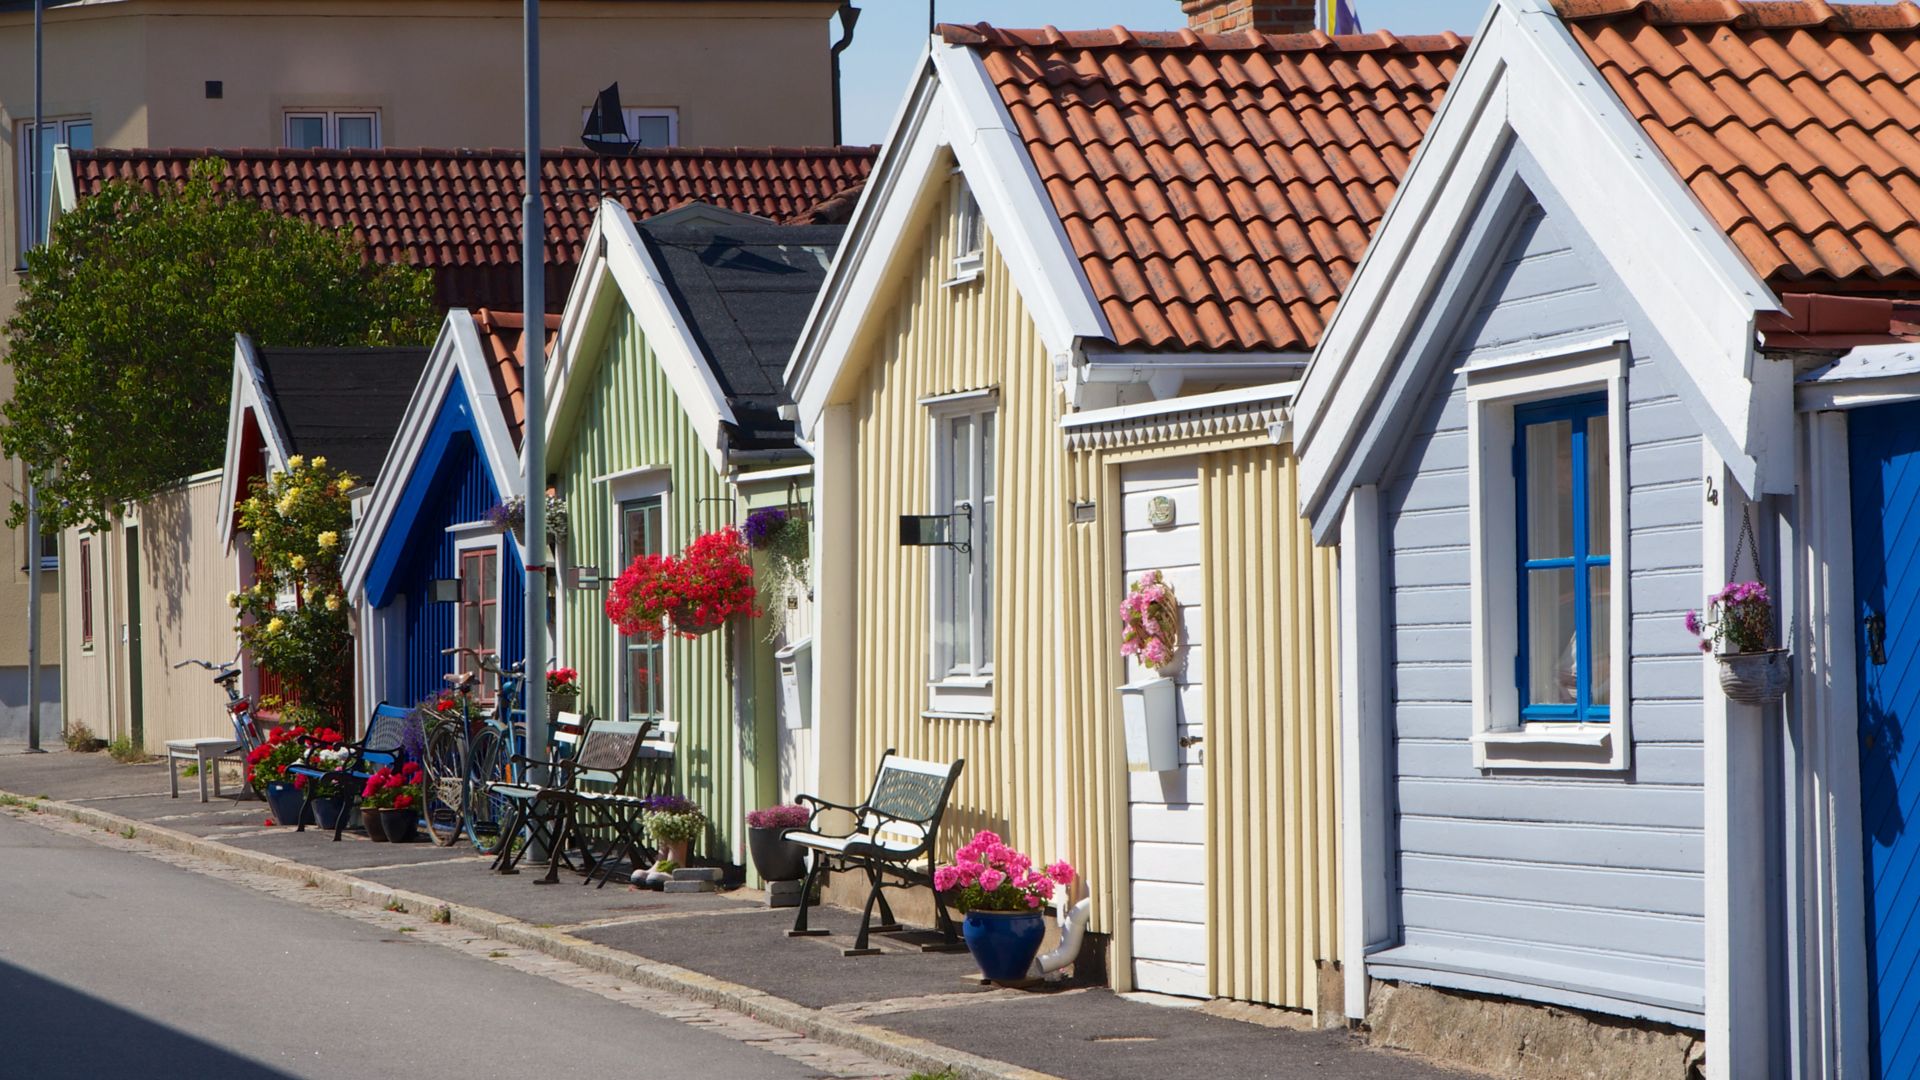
745,291
343,404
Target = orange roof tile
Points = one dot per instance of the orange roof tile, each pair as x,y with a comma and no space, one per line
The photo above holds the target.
503,334
457,212
1796,124
1218,189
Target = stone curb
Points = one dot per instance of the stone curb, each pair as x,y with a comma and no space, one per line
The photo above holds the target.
907,1051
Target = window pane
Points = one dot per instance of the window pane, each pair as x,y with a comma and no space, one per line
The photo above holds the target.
645,681
1551,640
356,132
306,132
1549,452
1600,633
79,134
651,130
1599,507
984,546
489,571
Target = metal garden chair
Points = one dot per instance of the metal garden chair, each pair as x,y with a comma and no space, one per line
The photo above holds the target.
607,756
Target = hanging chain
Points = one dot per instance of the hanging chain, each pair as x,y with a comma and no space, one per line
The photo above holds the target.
1745,543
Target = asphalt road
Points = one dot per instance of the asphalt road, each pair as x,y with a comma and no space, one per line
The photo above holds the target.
121,967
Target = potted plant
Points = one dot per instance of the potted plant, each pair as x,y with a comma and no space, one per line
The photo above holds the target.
1739,621
563,691
390,802
688,594
674,822
1150,708
776,857
326,753
780,536
511,514
267,766
1001,891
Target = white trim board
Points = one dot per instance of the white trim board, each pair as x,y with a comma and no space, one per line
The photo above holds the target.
952,116
249,394
1525,81
457,354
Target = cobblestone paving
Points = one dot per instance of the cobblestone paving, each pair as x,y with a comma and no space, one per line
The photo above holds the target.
828,1060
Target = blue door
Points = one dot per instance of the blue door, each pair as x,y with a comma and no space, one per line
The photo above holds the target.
1884,455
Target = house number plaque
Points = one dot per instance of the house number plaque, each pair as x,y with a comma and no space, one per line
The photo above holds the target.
1160,511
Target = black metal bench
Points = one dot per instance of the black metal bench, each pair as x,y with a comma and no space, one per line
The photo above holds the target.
896,826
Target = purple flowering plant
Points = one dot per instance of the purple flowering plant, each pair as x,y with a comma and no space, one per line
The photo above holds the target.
1739,619
763,526
783,816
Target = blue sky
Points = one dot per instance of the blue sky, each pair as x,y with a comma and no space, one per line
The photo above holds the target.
892,35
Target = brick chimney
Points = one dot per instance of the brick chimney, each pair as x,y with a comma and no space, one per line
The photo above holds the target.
1262,16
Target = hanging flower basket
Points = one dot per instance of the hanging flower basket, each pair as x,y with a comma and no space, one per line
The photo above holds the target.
511,514
690,594
1756,678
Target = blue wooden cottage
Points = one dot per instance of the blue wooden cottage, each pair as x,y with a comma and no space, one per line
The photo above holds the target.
454,459
1635,327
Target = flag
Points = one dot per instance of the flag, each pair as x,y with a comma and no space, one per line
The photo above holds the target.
1338,18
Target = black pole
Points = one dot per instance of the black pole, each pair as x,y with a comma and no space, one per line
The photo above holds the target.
849,15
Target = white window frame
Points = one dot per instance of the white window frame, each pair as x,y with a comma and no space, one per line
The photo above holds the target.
330,119
27,143
481,536
633,485
631,115
1494,388
966,693
969,236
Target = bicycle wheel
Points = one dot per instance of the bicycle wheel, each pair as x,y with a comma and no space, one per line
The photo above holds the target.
487,813
444,787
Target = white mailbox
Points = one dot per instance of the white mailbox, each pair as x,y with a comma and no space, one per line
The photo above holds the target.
796,682
1150,711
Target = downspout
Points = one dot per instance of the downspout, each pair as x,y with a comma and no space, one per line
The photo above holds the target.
849,15
1073,930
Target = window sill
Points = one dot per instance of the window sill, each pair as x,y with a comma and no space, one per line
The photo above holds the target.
963,698
948,714
1540,745
965,272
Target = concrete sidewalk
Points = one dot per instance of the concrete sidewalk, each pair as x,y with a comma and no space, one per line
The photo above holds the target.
919,1010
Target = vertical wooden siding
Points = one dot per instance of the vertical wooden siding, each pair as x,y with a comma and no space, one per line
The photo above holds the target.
1272,759
936,339
634,419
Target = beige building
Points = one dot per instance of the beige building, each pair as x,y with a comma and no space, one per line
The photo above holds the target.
358,73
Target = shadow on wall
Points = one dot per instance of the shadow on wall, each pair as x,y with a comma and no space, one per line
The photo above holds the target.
55,1030
166,551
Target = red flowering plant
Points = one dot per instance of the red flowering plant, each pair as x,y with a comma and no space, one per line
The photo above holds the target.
708,583
563,680
268,762
392,787
325,750
987,875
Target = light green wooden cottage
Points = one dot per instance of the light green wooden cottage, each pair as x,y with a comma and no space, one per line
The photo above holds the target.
665,402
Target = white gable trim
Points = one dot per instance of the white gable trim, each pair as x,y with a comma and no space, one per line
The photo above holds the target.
952,108
249,393
615,254
1526,79
457,354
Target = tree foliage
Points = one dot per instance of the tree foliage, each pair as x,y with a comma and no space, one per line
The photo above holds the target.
122,346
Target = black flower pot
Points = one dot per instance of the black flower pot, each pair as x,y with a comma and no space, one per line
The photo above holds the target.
775,858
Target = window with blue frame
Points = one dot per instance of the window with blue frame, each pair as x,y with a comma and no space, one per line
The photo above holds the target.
1560,467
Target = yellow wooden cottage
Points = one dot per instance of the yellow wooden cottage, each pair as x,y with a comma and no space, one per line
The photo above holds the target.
1076,254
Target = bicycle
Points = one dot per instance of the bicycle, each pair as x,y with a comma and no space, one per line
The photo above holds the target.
246,730
461,762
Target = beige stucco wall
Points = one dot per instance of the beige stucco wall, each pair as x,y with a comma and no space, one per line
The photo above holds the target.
185,575
441,72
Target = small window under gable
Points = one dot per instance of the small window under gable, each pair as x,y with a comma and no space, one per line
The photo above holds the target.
969,236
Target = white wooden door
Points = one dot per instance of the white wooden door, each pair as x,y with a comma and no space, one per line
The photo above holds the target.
1167,810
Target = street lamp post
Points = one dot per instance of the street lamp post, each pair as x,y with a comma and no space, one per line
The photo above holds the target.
38,217
533,264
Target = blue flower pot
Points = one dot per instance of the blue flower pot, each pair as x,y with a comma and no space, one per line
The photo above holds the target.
1004,943
284,801
326,812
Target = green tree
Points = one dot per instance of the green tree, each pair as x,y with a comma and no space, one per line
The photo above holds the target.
122,346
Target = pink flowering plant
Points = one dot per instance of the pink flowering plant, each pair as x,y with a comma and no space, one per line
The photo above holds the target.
987,875
1150,622
783,816
1739,619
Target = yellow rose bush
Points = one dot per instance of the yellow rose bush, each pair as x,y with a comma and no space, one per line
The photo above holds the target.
293,621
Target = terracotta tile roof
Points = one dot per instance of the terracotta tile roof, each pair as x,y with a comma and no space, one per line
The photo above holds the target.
458,211
1219,189
503,334
1796,124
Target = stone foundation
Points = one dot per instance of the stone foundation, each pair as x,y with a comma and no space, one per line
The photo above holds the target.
1527,1041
